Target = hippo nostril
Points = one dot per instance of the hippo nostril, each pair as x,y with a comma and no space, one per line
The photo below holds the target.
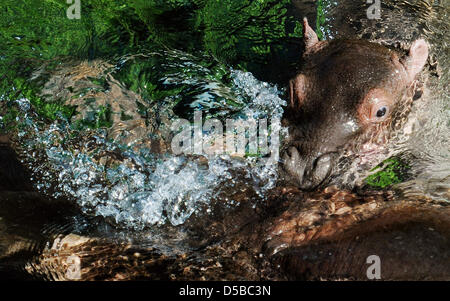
292,154
307,174
293,163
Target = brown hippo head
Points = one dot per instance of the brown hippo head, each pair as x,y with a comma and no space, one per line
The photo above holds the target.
348,96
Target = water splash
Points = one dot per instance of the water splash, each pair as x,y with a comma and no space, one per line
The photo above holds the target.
135,188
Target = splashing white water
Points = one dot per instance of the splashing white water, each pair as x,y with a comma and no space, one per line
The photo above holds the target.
141,188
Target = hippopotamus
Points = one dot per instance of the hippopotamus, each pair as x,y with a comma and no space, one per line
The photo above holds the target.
349,96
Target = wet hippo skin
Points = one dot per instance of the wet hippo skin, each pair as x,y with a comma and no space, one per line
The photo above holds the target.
411,238
411,250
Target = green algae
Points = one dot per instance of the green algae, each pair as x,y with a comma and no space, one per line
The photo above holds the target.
101,118
262,37
321,22
393,171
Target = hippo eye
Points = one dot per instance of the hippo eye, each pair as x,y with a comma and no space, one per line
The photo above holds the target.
378,111
375,107
381,112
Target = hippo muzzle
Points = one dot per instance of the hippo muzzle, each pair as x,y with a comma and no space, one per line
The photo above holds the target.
347,96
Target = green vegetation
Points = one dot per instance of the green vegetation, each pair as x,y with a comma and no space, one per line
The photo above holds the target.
34,32
14,85
260,36
232,30
393,171
250,34
320,19
47,109
96,119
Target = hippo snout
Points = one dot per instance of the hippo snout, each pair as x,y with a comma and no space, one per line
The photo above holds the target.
307,173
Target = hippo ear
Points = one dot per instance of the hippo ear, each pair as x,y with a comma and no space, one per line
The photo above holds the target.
309,35
416,59
297,91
